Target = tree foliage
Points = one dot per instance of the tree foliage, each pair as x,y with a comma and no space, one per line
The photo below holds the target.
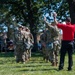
31,12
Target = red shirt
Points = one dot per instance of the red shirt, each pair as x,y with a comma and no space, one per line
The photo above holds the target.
68,31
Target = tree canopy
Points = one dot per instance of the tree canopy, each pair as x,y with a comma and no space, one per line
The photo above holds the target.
30,12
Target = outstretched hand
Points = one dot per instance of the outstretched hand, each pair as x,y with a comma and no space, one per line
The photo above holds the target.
55,20
44,18
54,14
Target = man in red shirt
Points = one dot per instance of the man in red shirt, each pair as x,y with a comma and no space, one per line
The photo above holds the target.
67,41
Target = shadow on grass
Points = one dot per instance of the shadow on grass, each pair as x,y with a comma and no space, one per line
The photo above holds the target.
38,65
47,69
7,54
11,54
36,54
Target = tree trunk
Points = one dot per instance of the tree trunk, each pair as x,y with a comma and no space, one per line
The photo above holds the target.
72,10
72,13
33,31
9,32
32,25
35,48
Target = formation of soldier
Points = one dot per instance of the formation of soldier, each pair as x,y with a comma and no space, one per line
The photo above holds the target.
50,43
24,43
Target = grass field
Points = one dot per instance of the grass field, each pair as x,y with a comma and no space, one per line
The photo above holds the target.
36,66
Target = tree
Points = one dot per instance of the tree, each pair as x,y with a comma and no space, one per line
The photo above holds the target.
27,12
72,10
30,12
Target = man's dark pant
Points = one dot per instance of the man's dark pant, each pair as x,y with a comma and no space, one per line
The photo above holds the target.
67,46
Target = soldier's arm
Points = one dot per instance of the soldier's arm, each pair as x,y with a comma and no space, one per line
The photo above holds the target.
54,16
32,39
48,25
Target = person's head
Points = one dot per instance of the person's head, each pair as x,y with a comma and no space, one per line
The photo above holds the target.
68,20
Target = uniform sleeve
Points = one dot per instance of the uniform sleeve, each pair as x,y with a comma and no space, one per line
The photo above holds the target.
48,25
32,39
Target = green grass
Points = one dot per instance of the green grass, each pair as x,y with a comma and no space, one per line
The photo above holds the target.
36,66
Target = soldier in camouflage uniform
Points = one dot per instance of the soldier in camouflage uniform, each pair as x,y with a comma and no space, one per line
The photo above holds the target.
53,42
43,38
19,41
28,42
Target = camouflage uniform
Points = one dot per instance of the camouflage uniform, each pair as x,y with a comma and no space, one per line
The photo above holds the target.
43,39
53,43
48,45
20,50
28,43
31,43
